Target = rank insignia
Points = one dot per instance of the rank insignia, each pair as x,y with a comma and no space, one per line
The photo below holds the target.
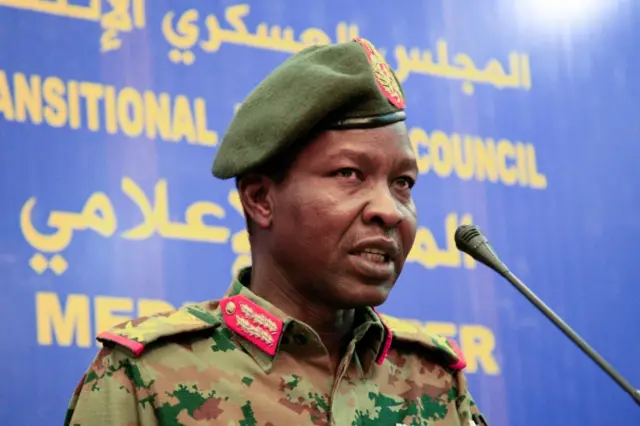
382,72
252,322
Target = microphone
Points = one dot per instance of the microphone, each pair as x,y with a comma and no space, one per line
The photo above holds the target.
470,240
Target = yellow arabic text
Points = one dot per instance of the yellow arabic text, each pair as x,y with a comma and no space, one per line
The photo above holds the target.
429,255
462,68
74,321
99,215
98,107
474,157
122,16
185,31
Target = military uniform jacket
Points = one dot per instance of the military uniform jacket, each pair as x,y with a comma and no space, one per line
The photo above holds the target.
242,361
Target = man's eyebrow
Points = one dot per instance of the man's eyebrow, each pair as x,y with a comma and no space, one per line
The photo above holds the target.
349,153
407,162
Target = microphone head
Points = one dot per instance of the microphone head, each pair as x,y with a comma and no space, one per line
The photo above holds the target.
467,237
470,240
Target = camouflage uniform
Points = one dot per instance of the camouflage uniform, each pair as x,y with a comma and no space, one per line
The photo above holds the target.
242,361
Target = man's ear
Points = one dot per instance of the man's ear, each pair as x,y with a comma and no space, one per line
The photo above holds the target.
255,195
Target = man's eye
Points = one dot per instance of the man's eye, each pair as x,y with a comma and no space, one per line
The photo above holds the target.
347,173
406,182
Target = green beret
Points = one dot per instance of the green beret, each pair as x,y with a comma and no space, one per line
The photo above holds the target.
337,86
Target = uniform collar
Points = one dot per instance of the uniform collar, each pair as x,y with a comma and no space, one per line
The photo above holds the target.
264,328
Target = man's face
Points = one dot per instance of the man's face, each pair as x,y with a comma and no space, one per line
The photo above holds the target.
343,220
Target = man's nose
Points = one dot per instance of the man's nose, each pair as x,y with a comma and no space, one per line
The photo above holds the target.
383,208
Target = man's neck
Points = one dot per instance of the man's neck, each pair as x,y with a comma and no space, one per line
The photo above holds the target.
334,326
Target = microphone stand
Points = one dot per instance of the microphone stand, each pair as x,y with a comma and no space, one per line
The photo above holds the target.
470,240
568,331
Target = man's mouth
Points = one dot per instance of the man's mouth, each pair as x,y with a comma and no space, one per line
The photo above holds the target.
378,250
374,255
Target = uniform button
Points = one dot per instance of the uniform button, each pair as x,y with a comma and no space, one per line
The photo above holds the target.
230,308
300,339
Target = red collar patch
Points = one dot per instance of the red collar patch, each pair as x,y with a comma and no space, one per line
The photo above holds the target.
388,339
252,322
461,364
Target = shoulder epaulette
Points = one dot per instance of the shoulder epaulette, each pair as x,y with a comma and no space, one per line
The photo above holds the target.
137,334
414,331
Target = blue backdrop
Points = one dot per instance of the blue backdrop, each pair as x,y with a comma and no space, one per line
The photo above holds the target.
525,119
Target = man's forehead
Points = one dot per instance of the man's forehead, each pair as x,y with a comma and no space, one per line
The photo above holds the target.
391,138
362,145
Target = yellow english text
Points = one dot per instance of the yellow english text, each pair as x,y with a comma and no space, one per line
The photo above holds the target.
473,157
98,107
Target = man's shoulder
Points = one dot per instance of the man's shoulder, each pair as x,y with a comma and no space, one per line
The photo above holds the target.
135,336
409,334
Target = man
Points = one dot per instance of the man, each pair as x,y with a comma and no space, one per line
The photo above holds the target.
324,168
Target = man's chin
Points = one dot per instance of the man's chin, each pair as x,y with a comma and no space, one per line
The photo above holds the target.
366,295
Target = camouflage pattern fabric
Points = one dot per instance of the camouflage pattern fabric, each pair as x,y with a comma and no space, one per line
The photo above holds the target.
242,361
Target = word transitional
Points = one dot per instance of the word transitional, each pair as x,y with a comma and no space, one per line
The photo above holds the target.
100,107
